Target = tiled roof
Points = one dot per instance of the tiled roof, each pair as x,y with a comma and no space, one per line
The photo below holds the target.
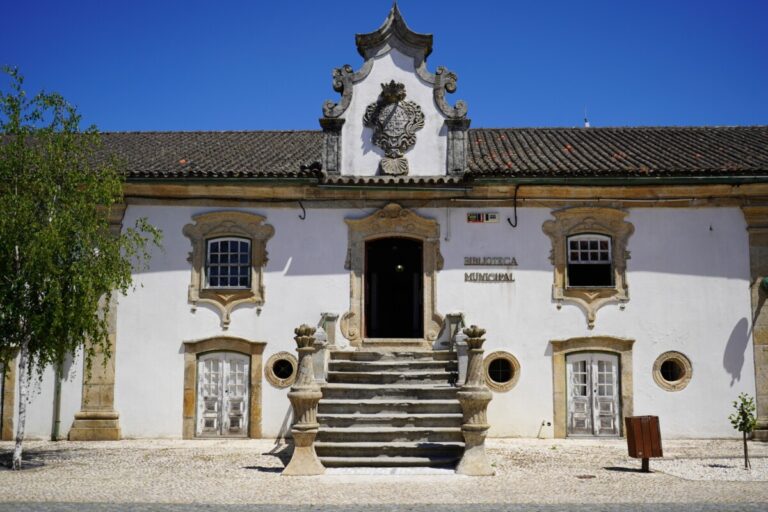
215,154
503,152
584,152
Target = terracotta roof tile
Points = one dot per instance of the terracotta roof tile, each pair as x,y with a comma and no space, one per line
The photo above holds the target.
503,152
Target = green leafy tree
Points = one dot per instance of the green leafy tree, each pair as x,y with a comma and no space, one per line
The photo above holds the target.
744,420
59,263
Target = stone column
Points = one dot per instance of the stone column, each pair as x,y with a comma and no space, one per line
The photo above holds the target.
474,397
757,227
97,419
304,396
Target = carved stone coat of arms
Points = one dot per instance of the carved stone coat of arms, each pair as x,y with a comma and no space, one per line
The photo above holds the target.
394,121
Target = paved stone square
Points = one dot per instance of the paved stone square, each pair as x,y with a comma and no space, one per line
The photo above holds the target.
546,475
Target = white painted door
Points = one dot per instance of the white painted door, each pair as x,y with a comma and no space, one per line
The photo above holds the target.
593,394
222,395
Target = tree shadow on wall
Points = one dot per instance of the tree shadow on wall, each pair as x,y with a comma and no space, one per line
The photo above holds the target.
733,357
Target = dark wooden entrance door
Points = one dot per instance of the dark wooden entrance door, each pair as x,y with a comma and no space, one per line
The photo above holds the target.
394,288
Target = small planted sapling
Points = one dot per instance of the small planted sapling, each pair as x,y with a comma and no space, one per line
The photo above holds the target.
744,421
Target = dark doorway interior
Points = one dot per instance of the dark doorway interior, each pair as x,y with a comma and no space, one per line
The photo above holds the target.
394,288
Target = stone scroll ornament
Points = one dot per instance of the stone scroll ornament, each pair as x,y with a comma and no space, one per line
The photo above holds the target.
394,121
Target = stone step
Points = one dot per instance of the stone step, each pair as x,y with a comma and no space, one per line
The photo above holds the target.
391,420
389,434
392,391
364,355
386,406
385,461
364,449
385,365
396,377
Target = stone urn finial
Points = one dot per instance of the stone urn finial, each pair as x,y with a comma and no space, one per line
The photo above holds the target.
474,397
304,397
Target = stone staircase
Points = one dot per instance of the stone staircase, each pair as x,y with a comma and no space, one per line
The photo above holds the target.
390,409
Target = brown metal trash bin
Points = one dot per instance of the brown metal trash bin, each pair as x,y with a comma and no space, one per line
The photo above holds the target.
643,438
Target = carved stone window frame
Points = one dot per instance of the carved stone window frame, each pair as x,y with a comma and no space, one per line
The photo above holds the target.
589,220
621,347
194,349
227,224
392,221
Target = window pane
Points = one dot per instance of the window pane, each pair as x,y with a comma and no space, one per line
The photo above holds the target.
225,271
583,245
593,245
604,245
232,281
214,272
243,281
574,245
574,256
213,281
214,246
243,246
244,258
214,258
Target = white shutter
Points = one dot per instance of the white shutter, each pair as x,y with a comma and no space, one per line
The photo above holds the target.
209,394
579,383
605,394
236,396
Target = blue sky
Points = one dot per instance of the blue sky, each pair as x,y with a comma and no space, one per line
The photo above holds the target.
239,65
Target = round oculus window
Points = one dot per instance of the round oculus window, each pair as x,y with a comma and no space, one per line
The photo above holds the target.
281,369
672,371
502,371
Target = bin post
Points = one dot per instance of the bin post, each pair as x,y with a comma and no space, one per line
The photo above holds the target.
643,439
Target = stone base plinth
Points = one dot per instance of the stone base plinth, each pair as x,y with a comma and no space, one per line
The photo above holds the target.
761,432
95,426
304,461
474,462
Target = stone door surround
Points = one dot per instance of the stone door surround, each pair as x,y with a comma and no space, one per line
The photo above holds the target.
392,221
560,348
193,349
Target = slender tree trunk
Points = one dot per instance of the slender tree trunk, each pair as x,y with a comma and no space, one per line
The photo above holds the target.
747,464
23,393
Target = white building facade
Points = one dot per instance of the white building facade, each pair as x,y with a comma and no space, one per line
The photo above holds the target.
617,272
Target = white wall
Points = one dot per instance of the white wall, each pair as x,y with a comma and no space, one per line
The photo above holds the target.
688,284
359,156
40,411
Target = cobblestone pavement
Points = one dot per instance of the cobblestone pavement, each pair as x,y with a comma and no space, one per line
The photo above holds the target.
539,475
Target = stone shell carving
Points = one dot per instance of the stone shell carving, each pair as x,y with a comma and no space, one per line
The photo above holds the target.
394,121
